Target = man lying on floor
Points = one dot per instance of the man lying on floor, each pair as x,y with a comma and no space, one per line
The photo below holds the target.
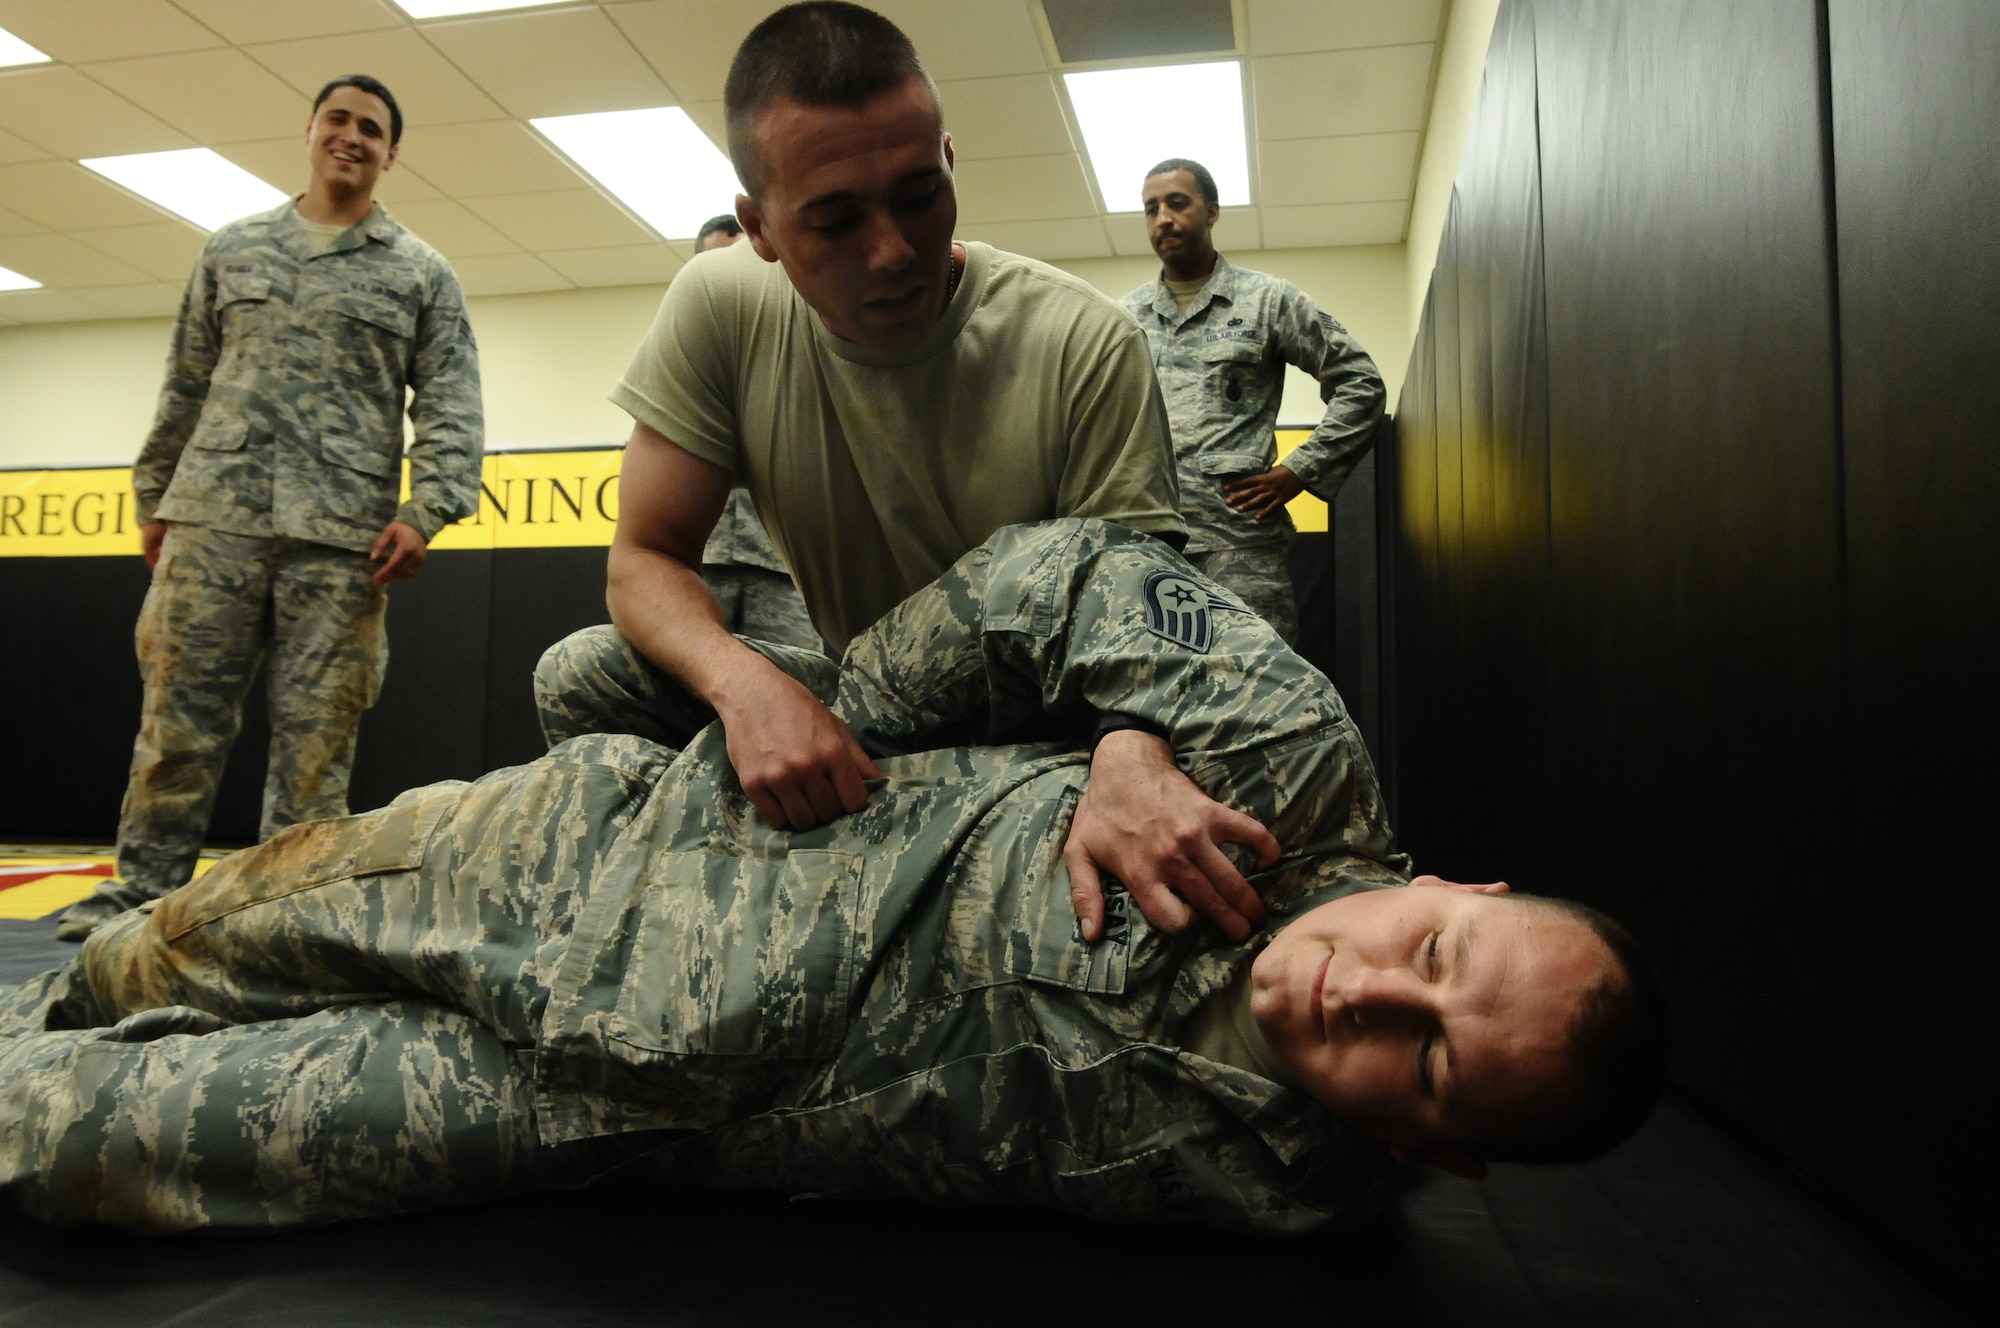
604,966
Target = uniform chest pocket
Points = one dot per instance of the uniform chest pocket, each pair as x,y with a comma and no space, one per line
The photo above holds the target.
1233,360
1010,913
240,288
742,956
375,315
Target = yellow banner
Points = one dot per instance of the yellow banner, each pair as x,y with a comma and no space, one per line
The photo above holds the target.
1308,512
527,500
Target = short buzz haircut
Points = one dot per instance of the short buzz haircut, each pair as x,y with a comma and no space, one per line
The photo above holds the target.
821,53
1202,178
373,87
1620,1040
722,223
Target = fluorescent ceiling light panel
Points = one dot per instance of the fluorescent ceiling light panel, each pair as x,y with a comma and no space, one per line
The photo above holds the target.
14,51
655,161
193,183
446,8
1126,133
12,280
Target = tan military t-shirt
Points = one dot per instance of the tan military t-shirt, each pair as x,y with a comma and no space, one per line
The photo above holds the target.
1034,397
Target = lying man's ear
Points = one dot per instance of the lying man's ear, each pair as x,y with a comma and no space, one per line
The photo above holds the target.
1444,1159
1486,888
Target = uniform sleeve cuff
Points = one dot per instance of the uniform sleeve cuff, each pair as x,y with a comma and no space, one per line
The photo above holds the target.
421,519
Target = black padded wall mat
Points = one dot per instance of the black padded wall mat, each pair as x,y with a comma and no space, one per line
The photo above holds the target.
1696,555
463,640
1916,99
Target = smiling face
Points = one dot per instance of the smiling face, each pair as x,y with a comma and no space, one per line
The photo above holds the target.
858,205
1178,219
1424,1016
347,140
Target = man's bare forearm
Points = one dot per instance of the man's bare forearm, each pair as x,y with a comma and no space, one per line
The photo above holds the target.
662,606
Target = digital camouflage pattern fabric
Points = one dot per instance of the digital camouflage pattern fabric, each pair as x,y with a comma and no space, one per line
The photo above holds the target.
603,963
1222,371
1260,577
747,575
282,411
214,601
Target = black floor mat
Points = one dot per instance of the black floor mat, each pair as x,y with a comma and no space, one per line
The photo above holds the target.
1680,1227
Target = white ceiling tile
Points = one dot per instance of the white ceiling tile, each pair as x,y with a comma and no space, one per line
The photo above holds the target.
1128,235
154,299
64,196
1279,27
45,306
77,30
13,223
560,219
58,260
63,112
1375,91
214,96
428,88
1239,228
18,149
969,38
1334,224
1360,168
507,274
1069,237
689,42
401,184
165,249
1019,116
278,162
565,62
623,265
497,157
246,21
1023,189
708,117
452,229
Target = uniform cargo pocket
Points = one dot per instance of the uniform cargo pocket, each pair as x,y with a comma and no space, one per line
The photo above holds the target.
380,311
357,454
220,435
742,956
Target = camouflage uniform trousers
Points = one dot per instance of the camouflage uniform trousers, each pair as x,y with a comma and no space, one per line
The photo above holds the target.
593,681
1259,577
333,1025
219,605
760,603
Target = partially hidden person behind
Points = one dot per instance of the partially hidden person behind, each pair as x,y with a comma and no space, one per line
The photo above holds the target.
1221,336
740,566
889,397
604,968
268,493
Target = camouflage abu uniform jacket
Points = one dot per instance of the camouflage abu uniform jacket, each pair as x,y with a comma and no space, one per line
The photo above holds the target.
282,412
899,1003
1222,371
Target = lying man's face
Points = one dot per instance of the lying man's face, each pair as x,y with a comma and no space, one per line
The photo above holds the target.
1428,1016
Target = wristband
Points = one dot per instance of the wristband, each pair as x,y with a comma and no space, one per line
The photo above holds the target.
1114,721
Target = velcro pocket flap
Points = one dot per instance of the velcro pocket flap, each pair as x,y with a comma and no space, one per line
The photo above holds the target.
358,454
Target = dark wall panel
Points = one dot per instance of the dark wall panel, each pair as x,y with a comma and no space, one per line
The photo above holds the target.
542,595
1696,612
1696,580
1916,98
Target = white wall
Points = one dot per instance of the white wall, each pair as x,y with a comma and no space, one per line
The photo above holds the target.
83,393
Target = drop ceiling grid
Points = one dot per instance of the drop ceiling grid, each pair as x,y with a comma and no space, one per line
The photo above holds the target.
1336,96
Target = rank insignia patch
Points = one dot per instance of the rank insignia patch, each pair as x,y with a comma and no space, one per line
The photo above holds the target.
1180,611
